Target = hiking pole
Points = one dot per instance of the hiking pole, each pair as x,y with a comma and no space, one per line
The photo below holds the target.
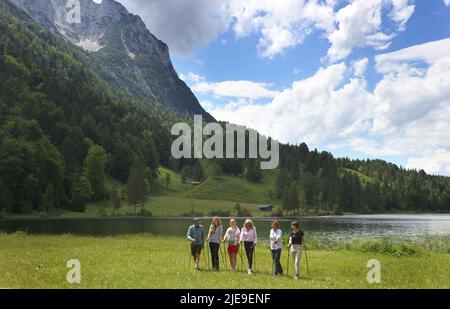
306,257
254,258
225,255
203,252
190,258
289,255
242,260
273,260
221,254
208,255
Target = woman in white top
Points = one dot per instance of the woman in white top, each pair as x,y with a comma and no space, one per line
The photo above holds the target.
233,237
249,238
276,244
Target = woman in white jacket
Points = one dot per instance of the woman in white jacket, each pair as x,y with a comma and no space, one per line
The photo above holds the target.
276,244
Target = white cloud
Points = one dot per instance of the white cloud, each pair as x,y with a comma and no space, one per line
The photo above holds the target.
407,114
435,162
238,89
316,109
207,105
410,97
191,78
402,11
359,24
398,61
280,25
360,67
447,2
183,25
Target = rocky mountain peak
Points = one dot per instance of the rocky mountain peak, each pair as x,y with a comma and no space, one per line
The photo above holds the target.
136,60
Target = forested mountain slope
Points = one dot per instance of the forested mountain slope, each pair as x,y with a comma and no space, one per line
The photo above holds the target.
55,110
65,131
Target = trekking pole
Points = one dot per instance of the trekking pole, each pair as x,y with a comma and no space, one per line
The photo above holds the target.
190,258
273,260
225,255
208,248
203,251
254,258
242,259
289,255
306,257
221,254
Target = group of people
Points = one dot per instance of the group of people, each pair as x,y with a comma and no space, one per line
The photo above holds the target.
247,237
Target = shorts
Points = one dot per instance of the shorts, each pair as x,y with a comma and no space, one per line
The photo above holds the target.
196,249
233,249
296,248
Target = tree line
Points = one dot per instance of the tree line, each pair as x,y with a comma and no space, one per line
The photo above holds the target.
64,132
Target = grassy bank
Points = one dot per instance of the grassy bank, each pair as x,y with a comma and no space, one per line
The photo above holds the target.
145,261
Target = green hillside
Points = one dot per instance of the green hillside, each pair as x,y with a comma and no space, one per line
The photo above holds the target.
236,189
364,179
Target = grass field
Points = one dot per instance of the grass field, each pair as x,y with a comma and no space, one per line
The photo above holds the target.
145,261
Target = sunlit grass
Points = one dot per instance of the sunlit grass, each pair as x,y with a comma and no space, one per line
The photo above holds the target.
145,261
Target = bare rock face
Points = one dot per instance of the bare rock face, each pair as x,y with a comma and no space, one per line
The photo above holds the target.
136,61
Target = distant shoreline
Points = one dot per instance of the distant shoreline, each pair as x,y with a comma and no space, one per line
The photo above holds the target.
97,217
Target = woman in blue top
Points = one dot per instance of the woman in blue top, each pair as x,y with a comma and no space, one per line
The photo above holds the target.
215,239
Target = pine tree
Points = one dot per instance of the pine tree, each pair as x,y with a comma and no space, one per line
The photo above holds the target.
216,169
254,173
283,182
293,167
167,179
121,161
198,172
81,194
94,171
5,197
48,201
116,201
294,202
186,172
285,203
137,188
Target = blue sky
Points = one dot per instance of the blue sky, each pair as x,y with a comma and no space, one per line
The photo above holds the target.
364,79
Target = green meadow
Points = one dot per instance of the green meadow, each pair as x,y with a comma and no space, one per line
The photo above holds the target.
146,261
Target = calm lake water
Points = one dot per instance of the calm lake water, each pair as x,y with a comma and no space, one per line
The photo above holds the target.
328,229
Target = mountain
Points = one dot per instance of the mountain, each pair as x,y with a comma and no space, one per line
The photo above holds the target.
57,116
123,51
68,138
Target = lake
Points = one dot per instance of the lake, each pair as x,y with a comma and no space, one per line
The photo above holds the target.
327,229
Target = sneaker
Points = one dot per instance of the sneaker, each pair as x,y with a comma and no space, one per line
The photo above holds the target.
297,277
249,271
